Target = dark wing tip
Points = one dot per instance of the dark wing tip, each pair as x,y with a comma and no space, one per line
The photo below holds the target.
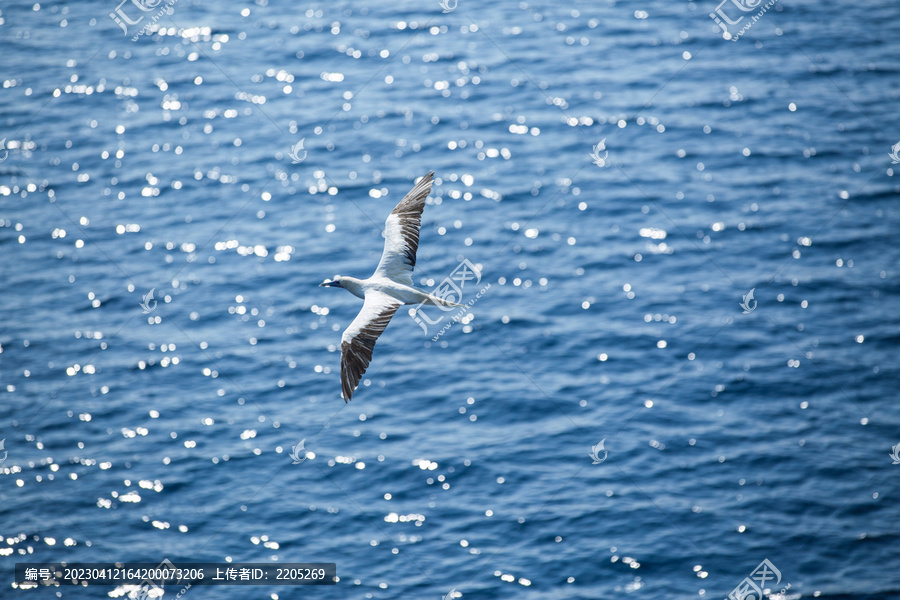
414,200
356,354
350,374
355,357
409,210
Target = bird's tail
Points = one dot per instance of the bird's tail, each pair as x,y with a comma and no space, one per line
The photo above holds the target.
436,301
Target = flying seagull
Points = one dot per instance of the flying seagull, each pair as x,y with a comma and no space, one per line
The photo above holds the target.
389,287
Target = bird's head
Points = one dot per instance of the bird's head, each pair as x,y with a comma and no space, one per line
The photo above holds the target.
336,282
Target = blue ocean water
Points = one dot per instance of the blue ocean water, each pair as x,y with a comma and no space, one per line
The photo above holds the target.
611,309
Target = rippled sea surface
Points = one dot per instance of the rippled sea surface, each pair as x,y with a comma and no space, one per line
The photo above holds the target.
139,429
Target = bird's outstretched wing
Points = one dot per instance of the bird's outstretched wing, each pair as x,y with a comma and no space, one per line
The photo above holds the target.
401,234
359,338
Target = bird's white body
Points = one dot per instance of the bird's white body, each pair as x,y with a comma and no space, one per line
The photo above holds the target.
389,287
406,294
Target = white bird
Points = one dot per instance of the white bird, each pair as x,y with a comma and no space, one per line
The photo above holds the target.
389,287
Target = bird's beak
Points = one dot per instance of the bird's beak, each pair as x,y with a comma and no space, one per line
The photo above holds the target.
330,284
